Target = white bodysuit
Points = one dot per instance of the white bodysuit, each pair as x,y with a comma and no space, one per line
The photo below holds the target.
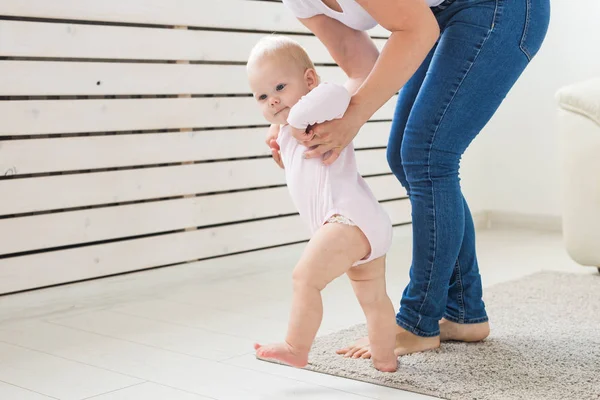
352,15
319,191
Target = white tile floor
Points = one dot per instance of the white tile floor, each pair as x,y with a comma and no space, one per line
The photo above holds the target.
186,332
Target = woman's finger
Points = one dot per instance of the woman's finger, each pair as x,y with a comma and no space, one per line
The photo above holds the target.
298,134
317,151
301,135
330,156
316,141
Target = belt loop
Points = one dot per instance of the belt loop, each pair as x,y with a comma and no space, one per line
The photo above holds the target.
442,6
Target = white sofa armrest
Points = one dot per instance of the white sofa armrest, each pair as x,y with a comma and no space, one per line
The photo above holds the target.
579,136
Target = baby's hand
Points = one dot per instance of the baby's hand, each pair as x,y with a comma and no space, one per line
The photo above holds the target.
271,141
272,134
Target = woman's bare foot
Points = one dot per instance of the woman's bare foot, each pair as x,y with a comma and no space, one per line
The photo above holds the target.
406,343
282,352
463,332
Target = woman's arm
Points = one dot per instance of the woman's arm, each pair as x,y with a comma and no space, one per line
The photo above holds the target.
414,31
352,50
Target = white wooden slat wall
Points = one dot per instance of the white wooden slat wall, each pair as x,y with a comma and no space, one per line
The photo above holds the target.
128,139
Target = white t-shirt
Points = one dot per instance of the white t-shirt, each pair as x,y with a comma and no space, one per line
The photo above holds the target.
352,15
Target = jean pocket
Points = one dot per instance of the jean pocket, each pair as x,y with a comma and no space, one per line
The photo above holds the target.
537,19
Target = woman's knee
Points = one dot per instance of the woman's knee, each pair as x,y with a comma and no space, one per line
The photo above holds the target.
393,157
428,163
394,160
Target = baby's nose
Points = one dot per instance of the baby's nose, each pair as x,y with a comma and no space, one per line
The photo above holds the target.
274,100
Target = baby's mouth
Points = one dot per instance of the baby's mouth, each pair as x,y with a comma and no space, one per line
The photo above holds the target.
277,113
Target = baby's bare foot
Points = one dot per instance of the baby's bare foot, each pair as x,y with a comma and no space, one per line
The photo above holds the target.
282,352
359,349
406,343
463,332
389,365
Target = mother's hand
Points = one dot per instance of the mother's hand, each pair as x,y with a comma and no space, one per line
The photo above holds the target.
329,138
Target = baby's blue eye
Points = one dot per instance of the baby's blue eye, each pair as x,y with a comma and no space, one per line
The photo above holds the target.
280,87
262,97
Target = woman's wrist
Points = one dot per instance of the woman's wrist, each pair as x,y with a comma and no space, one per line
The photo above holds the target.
359,111
355,119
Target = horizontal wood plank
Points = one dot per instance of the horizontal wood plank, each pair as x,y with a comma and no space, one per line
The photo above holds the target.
32,156
48,268
35,117
114,72
60,78
235,14
77,190
93,225
60,40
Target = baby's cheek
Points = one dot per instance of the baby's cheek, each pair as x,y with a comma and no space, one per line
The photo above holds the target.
270,118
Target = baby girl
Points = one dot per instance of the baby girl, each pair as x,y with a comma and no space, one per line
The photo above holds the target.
350,231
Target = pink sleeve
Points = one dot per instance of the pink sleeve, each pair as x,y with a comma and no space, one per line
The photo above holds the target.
325,102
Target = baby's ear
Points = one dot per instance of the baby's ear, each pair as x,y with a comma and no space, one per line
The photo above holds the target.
311,78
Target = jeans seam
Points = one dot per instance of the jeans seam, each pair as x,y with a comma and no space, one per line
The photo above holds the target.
461,303
415,330
434,229
467,321
526,29
431,146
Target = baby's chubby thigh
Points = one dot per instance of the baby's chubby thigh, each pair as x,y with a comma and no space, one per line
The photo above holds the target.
375,225
356,237
333,249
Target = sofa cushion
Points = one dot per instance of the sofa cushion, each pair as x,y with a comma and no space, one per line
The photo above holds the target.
582,98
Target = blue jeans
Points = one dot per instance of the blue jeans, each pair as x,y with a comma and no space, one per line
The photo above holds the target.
483,48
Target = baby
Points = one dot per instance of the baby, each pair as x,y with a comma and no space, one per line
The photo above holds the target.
351,232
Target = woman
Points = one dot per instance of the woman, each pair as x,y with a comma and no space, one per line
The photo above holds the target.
455,61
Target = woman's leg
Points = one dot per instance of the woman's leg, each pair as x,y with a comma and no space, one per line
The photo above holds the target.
462,323
467,256
484,47
406,100
404,105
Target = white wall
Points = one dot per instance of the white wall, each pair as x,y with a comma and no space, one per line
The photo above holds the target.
513,166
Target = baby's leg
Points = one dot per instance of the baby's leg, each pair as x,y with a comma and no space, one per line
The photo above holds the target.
368,281
330,253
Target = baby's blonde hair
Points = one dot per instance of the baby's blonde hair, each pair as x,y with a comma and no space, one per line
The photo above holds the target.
279,46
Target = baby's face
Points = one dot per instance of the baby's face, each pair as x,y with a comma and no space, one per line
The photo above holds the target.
277,86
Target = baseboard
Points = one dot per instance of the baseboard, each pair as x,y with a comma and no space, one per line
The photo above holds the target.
491,219
481,220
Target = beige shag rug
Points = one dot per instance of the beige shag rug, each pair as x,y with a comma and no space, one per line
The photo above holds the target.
545,344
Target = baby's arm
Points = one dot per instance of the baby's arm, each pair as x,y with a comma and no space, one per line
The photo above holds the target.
325,102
